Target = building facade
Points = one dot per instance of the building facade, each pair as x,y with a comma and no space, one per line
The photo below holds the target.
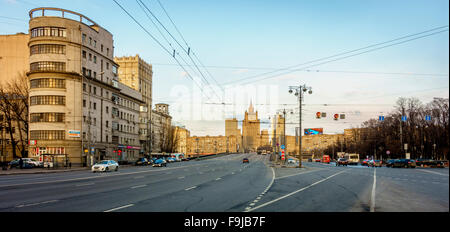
251,130
137,74
14,54
161,128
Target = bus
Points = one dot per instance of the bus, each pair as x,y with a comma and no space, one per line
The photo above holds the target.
353,158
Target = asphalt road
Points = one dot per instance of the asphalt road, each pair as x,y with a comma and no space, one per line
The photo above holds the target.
225,184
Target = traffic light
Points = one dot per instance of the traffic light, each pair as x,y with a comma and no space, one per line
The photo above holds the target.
318,115
336,116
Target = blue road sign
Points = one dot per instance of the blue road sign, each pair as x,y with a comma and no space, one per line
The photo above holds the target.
282,147
404,118
381,118
428,117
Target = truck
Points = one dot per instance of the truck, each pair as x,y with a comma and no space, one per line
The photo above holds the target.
353,158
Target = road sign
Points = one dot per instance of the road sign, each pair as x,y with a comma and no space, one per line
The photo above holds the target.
428,117
404,118
381,118
342,116
318,115
283,147
324,114
336,116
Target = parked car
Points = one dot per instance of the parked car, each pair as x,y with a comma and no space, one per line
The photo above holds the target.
33,162
342,161
390,163
142,162
245,160
105,166
15,164
171,160
404,163
374,163
160,163
291,161
317,160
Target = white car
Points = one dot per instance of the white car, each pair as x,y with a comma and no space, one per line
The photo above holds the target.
32,162
105,166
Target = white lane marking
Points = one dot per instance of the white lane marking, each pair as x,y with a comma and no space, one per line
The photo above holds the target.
219,178
193,187
33,204
87,184
122,207
372,198
437,173
181,177
297,174
139,186
265,190
290,194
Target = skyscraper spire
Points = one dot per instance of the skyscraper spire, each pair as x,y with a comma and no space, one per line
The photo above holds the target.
251,109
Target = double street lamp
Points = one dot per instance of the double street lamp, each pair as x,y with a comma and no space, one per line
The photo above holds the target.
299,91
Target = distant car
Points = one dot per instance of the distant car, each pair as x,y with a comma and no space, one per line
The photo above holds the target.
404,163
342,161
245,160
142,162
390,163
160,163
105,166
291,161
309,160
317,160
374,163
365,162
171,159
15,164
33,162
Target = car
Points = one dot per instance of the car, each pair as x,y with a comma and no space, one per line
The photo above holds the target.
374,163
15,164
141,162
365,162
33,162
291,161
160,163
390,163
424,162
171,160
404,163
317,160
342,161
245,160
105,166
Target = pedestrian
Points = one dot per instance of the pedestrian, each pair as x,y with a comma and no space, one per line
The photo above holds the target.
20,163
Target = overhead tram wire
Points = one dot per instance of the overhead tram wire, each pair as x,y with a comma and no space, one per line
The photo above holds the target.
343,53
159,43
163,36
185,42
345,57
181,46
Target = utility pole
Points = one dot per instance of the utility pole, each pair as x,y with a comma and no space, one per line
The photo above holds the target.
299,90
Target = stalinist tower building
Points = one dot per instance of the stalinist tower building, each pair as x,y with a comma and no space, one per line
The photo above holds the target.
250,130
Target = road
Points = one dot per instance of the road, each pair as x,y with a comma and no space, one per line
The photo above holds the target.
225,184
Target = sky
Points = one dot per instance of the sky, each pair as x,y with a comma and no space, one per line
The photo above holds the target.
238,41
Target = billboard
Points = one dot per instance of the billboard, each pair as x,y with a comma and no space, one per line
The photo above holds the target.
313,131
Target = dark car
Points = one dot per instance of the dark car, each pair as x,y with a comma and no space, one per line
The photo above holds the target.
245,160
374,163
160,163
390,163
142,162
404,163
15,164
342,161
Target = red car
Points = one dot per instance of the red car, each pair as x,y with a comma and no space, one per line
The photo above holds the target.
365,162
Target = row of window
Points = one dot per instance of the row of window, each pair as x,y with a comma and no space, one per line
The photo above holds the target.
47,117
47,134
93,43
48,66
48,31
47,100
47,49
48,83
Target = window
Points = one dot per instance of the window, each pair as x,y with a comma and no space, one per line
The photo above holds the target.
90,40
48,83
107,66
84,38
90,57
84,103
95,90
47,135
107,109
95,43
48,100
95,59
101,48
107,124
47,49
48,66
48,31
95,105
84,54
47,117
107,51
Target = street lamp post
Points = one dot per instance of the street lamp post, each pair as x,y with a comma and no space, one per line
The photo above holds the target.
299,90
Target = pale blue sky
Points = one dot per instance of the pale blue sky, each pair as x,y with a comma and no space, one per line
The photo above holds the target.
277,34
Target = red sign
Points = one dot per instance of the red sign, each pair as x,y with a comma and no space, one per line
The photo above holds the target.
336,116
318,115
